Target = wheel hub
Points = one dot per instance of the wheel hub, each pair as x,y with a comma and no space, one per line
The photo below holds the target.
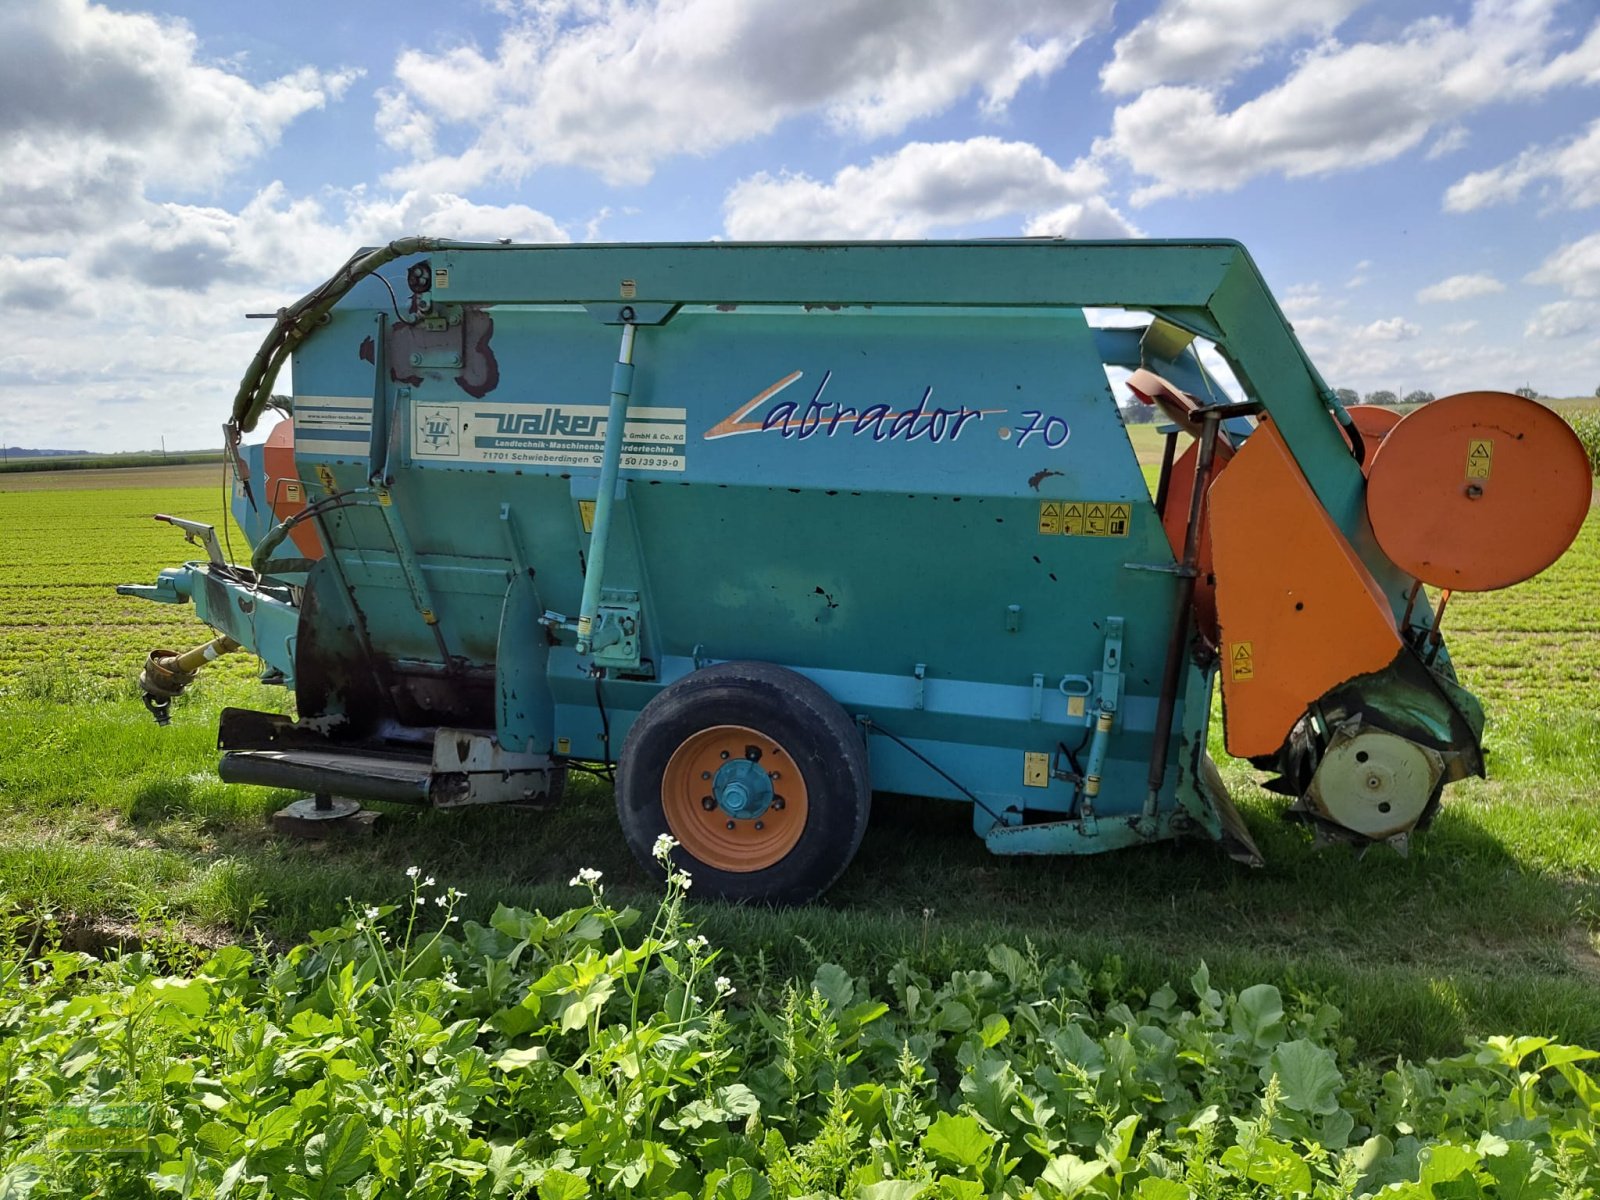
742,789
1374,783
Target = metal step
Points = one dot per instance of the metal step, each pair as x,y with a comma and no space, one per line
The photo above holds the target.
363,776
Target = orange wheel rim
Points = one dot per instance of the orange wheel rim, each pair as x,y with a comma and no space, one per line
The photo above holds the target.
734,798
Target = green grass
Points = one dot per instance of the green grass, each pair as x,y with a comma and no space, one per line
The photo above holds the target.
1489,926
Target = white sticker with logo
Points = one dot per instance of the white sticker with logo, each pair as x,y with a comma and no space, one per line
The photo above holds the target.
547,435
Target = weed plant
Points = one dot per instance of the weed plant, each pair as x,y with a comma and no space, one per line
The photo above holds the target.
405,1053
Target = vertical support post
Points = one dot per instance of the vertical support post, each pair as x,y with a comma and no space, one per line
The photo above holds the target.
378,445
1110,698
1178,639
605,501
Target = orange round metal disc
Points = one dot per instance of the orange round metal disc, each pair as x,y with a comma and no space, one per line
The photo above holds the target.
689,782
1478,491
1373,422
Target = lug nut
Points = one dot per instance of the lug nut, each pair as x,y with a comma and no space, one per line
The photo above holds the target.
731,825
772,774
724,754
707,803
777,802
760,825
705,774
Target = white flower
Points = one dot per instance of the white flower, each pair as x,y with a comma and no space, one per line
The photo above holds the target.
698,943
455,895
413,872
428,882
683,880
450,977
585,877
725,986
372,912
665,845
441,900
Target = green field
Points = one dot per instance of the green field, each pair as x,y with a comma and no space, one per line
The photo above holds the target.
1026,1044
1490,924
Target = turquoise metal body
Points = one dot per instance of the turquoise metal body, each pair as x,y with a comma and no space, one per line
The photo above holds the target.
834,458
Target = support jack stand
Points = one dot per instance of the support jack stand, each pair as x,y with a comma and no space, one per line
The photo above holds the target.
323,816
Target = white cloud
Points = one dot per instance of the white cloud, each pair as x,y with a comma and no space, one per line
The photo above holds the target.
1460,287
1448,141
1574,268
1391,329
617,86
925,186
1344,106
1206,40
1572,166
100,104
1563,319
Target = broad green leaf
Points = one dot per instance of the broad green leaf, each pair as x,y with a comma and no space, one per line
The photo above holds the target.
338,1156
515,1060
1070,1175
995,1028
1307,1074
1445,1161
1162,1189
833,984
951,1188
959,1140
1011,964
744,1184
1554,1056
1522,1173
1258,1014
892,1189
562,1185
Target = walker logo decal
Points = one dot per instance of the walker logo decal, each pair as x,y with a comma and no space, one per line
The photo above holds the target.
547,435
924,421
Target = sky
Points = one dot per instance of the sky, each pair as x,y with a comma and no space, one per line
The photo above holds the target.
1418,181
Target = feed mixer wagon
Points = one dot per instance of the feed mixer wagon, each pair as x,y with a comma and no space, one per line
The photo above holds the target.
771,527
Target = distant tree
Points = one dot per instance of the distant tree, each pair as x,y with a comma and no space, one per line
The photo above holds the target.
1382,397
1527,393
1419,397
1349,396
1138,413
1597,393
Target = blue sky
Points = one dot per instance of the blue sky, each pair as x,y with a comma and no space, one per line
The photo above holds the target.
1420,182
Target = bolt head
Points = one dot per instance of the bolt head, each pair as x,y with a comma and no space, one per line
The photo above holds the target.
732,826
707,803
761,825
777,802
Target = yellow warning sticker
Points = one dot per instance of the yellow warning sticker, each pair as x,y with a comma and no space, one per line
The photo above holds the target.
1241,661
586,515
1480,457
325,476
293,493
1035,770
1075,706
563,745
1085,518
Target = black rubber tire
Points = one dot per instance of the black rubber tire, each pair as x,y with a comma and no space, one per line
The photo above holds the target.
815,732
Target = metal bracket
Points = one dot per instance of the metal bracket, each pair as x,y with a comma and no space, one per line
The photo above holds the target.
198,533
919,676
615,631
1038,698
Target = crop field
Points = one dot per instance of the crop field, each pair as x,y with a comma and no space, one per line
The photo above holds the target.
1317,970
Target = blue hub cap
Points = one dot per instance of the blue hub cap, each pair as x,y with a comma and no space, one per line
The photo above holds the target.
742,789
